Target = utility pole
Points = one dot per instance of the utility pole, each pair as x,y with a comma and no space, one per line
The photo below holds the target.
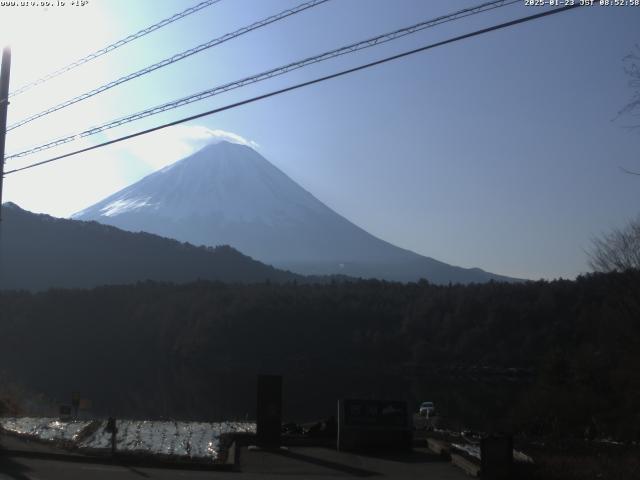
4,104
5,67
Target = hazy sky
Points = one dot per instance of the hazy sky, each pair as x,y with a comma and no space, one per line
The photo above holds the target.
499,152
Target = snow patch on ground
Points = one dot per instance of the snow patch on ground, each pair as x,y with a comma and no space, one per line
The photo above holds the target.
473,450
193,440
50,429
180,439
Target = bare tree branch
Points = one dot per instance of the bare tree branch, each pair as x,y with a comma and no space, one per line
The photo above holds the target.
618,250
632,69
629,171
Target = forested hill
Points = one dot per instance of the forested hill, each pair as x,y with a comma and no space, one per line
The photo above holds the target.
39,252
193,350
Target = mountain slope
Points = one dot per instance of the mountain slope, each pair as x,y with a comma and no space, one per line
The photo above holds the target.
39,252
229,194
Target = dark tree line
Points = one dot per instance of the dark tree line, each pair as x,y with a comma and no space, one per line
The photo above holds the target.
192,351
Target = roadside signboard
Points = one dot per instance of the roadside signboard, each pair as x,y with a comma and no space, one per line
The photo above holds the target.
373,424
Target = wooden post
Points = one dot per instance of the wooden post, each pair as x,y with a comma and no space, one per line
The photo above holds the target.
113,429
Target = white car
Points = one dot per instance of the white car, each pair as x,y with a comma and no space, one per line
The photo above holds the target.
427,409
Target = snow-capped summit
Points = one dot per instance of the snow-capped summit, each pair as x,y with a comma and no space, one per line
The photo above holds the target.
227,193
226,181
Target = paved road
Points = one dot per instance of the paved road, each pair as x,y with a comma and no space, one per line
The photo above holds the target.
295,463
39,469
321,463
9,442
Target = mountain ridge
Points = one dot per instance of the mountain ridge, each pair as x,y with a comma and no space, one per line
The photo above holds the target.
39,251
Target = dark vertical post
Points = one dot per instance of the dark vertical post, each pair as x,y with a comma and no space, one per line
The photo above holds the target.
75,401
340,427
113,430
269,410
4,104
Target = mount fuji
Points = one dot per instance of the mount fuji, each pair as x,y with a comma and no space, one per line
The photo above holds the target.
227,193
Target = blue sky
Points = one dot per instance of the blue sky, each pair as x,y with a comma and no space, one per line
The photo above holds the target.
499,152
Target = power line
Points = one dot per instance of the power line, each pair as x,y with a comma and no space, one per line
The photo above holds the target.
377,40
113,46
303,84
174,58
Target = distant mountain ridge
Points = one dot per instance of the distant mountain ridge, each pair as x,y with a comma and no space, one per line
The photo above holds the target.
38,252
227,193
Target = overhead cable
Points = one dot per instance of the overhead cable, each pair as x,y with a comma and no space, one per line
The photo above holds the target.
377,40
169,60
114,45
301,85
